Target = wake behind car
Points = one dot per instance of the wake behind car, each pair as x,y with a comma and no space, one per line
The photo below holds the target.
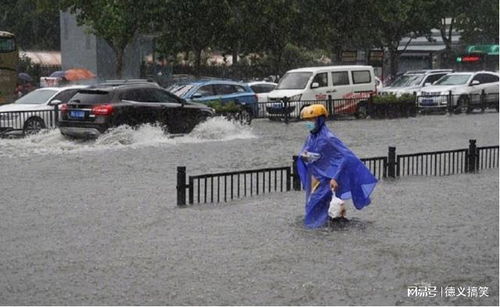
468,90
94,110
223,91
35,110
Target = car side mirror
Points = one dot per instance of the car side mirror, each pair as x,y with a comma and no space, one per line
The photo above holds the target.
315,85
55,102
196,96
475,82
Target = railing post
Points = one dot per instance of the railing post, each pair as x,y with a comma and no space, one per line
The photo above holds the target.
191,190
56,115
450,102
295,175
482,100
331,107
285,106
391,162
288,179
472,156
414,109
181,186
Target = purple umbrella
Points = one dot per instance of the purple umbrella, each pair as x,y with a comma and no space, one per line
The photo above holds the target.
58,74
25,77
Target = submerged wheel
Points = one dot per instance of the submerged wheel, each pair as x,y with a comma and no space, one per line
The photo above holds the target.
462,105
244,117
33,126
361,112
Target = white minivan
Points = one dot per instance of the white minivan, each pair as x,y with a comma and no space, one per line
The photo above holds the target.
349,88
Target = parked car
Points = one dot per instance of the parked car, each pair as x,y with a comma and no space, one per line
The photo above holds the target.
349,85
35,110
223,91
262,89
465,89
413,81
94,110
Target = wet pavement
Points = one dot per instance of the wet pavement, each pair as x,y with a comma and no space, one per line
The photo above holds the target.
95,223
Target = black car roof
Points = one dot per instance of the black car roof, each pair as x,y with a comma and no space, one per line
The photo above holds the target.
113,87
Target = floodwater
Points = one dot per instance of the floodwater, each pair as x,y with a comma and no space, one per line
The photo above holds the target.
95,222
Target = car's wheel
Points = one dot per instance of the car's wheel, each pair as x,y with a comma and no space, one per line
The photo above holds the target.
33,126
245,117
361,112
462,105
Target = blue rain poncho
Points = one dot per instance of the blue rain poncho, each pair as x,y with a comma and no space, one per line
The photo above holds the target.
335,161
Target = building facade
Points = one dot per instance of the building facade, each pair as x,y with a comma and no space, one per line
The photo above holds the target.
80,49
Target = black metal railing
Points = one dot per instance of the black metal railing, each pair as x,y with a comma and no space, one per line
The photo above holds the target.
286,109
487,157
223,187
451,103
438,163
218,187
23,121
377,165
360,107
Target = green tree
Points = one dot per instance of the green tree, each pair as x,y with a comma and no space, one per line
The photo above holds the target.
190,25
337,25
444,15
276,23
392,20
479,22
36,27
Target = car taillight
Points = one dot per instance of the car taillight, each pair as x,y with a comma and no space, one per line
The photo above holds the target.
63,107
103,109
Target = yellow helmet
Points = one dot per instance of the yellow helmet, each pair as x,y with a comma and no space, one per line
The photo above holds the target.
313,111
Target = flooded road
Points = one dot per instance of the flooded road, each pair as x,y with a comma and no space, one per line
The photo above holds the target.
96,223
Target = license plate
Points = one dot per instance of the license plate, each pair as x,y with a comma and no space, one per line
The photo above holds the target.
427,102
77,114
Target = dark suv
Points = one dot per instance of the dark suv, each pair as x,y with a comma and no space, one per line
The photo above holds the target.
94,110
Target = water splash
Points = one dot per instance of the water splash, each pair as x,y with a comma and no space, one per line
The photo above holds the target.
122,137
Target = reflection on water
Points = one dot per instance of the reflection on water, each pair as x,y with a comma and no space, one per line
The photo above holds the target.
335,225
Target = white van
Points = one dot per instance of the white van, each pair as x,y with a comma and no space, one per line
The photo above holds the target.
348,86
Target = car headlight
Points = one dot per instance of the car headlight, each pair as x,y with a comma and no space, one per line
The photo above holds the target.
296,97
445,93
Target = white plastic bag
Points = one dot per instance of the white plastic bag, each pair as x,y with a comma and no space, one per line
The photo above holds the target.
337,208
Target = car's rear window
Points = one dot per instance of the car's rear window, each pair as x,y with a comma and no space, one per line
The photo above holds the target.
92,97
180,90
36,97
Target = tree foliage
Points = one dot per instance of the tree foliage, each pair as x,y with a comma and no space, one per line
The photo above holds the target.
36,26
479,22
271,29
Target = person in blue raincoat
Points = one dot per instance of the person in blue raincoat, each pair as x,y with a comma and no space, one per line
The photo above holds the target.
325,164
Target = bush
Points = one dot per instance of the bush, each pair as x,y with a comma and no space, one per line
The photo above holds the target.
391,106
221,108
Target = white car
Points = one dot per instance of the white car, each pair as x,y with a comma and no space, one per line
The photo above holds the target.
35,110
261,89
465,91
413,81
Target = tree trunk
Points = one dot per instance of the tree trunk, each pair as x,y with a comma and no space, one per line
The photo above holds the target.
119,62
394,62
197,62
235,54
